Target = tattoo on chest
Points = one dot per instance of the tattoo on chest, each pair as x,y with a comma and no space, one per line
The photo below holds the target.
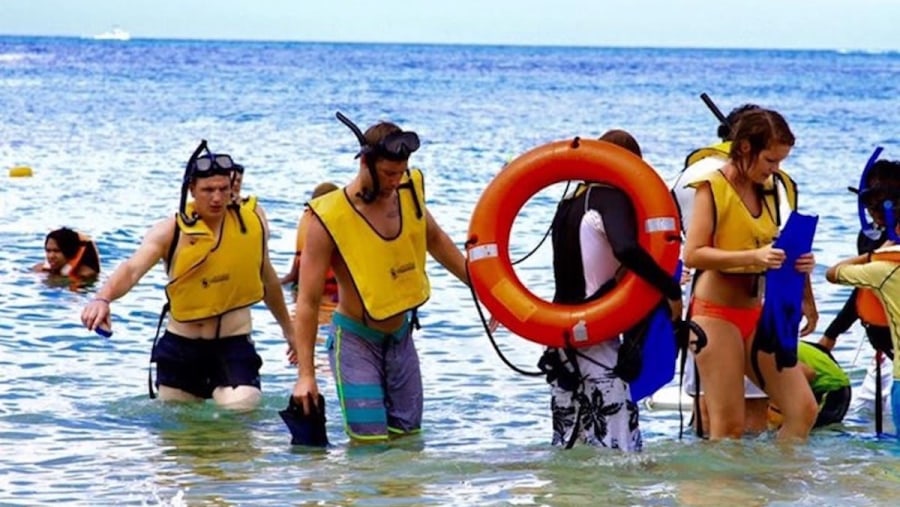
394,210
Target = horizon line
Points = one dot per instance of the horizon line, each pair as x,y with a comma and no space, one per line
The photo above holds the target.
446,43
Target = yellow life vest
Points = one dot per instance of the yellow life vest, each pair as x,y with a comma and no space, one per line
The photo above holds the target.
780,180
721,150
868,306
213,274
734,227
388,273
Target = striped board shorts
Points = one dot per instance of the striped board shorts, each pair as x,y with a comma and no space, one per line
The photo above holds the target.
378,379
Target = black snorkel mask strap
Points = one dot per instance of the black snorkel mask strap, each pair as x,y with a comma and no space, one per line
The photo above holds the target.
367,195
186,182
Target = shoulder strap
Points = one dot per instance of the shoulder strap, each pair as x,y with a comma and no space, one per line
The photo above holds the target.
174,243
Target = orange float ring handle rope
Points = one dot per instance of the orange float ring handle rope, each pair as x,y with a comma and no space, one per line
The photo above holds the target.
490,270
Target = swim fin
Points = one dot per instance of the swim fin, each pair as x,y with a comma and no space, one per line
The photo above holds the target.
658,353
779,324
306,429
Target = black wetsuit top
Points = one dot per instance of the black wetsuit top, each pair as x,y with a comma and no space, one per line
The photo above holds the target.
620,221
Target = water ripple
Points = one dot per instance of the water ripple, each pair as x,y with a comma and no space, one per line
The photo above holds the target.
108,153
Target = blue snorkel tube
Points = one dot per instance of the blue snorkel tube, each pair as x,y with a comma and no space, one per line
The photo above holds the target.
890,221
869,228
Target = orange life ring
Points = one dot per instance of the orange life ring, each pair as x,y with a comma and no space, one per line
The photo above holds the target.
868,306
490,269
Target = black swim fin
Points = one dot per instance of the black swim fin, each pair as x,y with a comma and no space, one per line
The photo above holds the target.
306,429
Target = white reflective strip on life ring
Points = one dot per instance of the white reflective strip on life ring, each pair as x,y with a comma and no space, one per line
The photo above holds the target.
579,331
659,224
485,251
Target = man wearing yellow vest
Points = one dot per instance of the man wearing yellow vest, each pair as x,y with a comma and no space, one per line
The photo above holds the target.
217,261
374,234
878,274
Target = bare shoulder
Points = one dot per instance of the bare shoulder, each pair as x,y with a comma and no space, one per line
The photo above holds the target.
316,234
259,210
159,237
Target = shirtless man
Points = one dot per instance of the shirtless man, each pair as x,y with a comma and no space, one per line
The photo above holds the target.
374,234
218,266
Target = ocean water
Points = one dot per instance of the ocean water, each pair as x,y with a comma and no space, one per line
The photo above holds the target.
107,127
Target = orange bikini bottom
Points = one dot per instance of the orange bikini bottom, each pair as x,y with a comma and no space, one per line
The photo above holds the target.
744,318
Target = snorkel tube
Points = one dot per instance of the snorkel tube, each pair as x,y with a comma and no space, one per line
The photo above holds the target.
890,221
870,229
186,182
368,196
715,110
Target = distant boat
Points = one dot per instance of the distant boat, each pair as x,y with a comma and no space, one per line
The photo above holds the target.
115,34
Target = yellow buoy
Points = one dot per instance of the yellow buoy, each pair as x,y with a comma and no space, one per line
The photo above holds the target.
21,171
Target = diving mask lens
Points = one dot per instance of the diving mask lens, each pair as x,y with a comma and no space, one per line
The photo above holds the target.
399,145
213,162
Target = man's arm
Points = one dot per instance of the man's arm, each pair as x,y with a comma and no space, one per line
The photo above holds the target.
620,225
294,273
314,266
153,248
442,248
832,274
841,322
274,297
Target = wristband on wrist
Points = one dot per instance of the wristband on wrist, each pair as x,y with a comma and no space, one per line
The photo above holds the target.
102,299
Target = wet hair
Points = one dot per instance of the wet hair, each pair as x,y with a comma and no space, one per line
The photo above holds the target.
884,172
623,139
323,188
724,131
882,183
66,239
374,135
761,129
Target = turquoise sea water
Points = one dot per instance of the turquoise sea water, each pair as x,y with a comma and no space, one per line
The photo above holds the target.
107,127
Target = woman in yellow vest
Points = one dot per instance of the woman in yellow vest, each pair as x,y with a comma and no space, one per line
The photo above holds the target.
705,161
70,253
729,241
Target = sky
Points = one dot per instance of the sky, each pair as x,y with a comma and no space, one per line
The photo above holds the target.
776,24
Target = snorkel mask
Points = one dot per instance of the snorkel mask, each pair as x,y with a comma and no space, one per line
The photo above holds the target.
865,196
201,165
396,146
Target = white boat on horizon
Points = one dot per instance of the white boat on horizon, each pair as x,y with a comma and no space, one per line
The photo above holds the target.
115,34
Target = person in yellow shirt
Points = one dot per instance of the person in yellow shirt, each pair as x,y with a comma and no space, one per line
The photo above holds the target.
879,273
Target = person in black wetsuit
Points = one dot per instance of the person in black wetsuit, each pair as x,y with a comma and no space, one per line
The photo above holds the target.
594,236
